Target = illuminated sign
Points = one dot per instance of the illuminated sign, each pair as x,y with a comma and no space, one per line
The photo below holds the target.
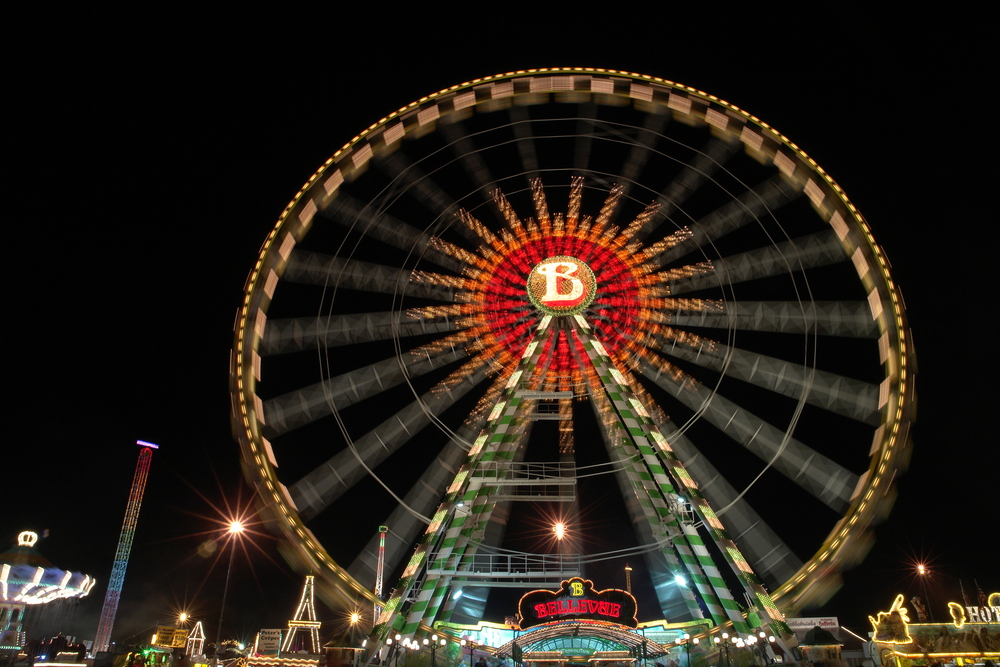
268,642
577,600
891,626
974,634
561,285
962,615
169,637
811,622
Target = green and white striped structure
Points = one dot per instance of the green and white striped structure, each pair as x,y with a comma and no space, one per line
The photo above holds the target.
497,441
656,476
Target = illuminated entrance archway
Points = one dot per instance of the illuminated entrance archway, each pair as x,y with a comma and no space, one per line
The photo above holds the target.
582,640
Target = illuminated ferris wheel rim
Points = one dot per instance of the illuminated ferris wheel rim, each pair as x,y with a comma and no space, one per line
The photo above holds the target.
890,444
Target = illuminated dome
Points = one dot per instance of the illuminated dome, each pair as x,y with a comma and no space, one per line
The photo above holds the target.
26,577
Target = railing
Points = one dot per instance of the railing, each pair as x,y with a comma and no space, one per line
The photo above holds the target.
515,566
549,411
507,472
544,395
554,481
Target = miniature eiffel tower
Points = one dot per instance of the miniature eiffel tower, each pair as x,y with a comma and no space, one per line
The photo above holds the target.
304,621
196,640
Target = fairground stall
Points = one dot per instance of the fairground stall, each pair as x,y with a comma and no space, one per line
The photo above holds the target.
971,635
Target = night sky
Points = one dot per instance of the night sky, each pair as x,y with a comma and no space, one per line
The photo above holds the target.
148,157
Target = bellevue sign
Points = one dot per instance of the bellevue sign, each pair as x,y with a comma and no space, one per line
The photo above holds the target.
577,600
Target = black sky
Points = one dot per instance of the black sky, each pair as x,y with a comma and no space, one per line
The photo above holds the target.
150,154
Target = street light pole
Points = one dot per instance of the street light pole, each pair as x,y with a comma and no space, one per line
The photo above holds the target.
235,528
922,571
688,640
434,645
355,618
723,644
762,645
472,649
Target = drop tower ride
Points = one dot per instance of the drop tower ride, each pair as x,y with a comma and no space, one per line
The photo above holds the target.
103,638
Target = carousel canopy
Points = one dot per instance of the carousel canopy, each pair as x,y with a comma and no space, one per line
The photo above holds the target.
27,577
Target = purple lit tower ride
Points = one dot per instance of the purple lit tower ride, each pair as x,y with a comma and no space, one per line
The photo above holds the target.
110,609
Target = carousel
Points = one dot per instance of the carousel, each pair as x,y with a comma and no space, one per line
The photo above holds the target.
27,579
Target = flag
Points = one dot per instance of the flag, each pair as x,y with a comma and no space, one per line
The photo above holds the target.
983,600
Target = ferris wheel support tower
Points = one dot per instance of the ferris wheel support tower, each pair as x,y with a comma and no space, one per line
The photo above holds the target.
379,573
103,638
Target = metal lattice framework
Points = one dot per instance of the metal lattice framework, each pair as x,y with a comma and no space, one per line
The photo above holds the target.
196,640
744,314
304,622
110,609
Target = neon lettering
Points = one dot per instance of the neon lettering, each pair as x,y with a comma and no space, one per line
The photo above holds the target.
577,600
562,607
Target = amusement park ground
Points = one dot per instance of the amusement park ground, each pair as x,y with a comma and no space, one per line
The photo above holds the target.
152,150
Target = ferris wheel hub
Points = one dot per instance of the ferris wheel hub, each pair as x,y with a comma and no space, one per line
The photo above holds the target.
561,285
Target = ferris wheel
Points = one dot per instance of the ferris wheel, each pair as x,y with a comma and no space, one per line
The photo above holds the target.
523,257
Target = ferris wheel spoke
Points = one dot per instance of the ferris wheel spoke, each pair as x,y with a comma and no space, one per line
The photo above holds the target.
704,164
308,333
325,484
664,564
521,126
752,204
673,600
297,408
813,251
423,189
841,395
820,476
314,269
582,139
366,220
642,148
406,521
620,133
465,150
770,556
827,318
